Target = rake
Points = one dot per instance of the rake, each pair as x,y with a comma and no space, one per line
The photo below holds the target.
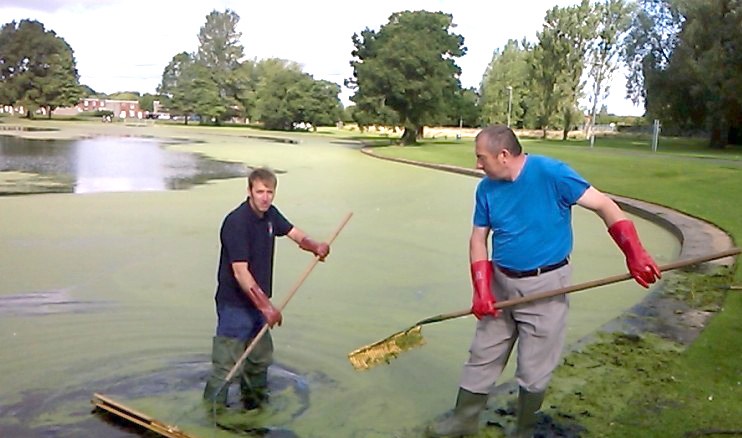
290,295
392,346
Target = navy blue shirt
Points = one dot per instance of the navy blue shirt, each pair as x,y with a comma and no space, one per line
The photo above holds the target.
247,237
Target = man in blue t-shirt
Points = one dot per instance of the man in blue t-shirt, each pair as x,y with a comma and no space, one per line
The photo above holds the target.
525,203
245,280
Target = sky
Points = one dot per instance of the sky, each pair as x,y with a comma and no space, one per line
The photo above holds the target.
125,45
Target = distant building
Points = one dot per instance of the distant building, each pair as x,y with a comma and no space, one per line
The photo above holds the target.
123,109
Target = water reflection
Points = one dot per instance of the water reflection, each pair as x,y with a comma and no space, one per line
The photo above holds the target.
106,164
102,165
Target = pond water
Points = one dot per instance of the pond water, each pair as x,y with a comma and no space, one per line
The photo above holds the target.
107,164
113,293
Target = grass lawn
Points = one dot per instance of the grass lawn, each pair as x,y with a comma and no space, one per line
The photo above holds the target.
675,393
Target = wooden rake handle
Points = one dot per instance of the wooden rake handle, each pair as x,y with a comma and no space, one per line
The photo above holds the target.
582,286
285,302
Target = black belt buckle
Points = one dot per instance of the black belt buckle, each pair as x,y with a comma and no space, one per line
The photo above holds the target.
533,272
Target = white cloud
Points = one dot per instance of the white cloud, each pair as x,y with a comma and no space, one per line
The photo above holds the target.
123,46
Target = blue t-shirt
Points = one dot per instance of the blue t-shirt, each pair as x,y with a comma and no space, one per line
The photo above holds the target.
530,217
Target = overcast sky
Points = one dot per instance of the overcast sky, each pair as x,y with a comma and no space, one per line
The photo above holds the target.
125,45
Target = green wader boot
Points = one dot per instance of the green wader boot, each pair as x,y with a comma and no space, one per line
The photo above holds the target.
528,404
463,420
224,353
254,381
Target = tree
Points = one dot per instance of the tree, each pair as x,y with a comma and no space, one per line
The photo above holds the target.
687,65
613,21
559,60
651,40
287,97
462,109
507,73
246,78
409,66
37,68
178,85
371,111
147,102
546,69
277,91
321,105
125,95
577,25
709,58
88,92
220,53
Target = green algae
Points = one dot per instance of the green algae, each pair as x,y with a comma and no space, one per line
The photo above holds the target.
152,257
596,382
28,183
618,379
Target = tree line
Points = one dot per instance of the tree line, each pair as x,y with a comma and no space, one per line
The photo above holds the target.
684,62
216,84
684,59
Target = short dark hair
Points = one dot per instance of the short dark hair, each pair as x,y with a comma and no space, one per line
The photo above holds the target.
499,137
262,174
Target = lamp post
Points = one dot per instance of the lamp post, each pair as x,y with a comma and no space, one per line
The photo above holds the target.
510,103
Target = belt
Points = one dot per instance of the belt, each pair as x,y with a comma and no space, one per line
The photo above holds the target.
533,272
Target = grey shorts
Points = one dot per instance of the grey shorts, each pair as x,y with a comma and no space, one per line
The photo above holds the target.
539,327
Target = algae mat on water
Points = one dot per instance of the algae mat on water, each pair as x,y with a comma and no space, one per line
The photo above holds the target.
148,260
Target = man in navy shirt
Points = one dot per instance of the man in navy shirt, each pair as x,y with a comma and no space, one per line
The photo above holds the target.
525,203
245,278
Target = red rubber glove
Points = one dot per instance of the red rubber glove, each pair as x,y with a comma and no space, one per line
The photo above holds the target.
483,302
271,314
640,263
320,249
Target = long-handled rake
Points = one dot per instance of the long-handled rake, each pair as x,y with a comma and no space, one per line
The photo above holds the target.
390,347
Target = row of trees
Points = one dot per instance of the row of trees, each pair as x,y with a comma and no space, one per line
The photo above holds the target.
684,59
37,68
405,73
541,84
216,84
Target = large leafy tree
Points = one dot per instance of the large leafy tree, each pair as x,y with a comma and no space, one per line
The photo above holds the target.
286,96
409,66
708,59
320,105
37,68
686,64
